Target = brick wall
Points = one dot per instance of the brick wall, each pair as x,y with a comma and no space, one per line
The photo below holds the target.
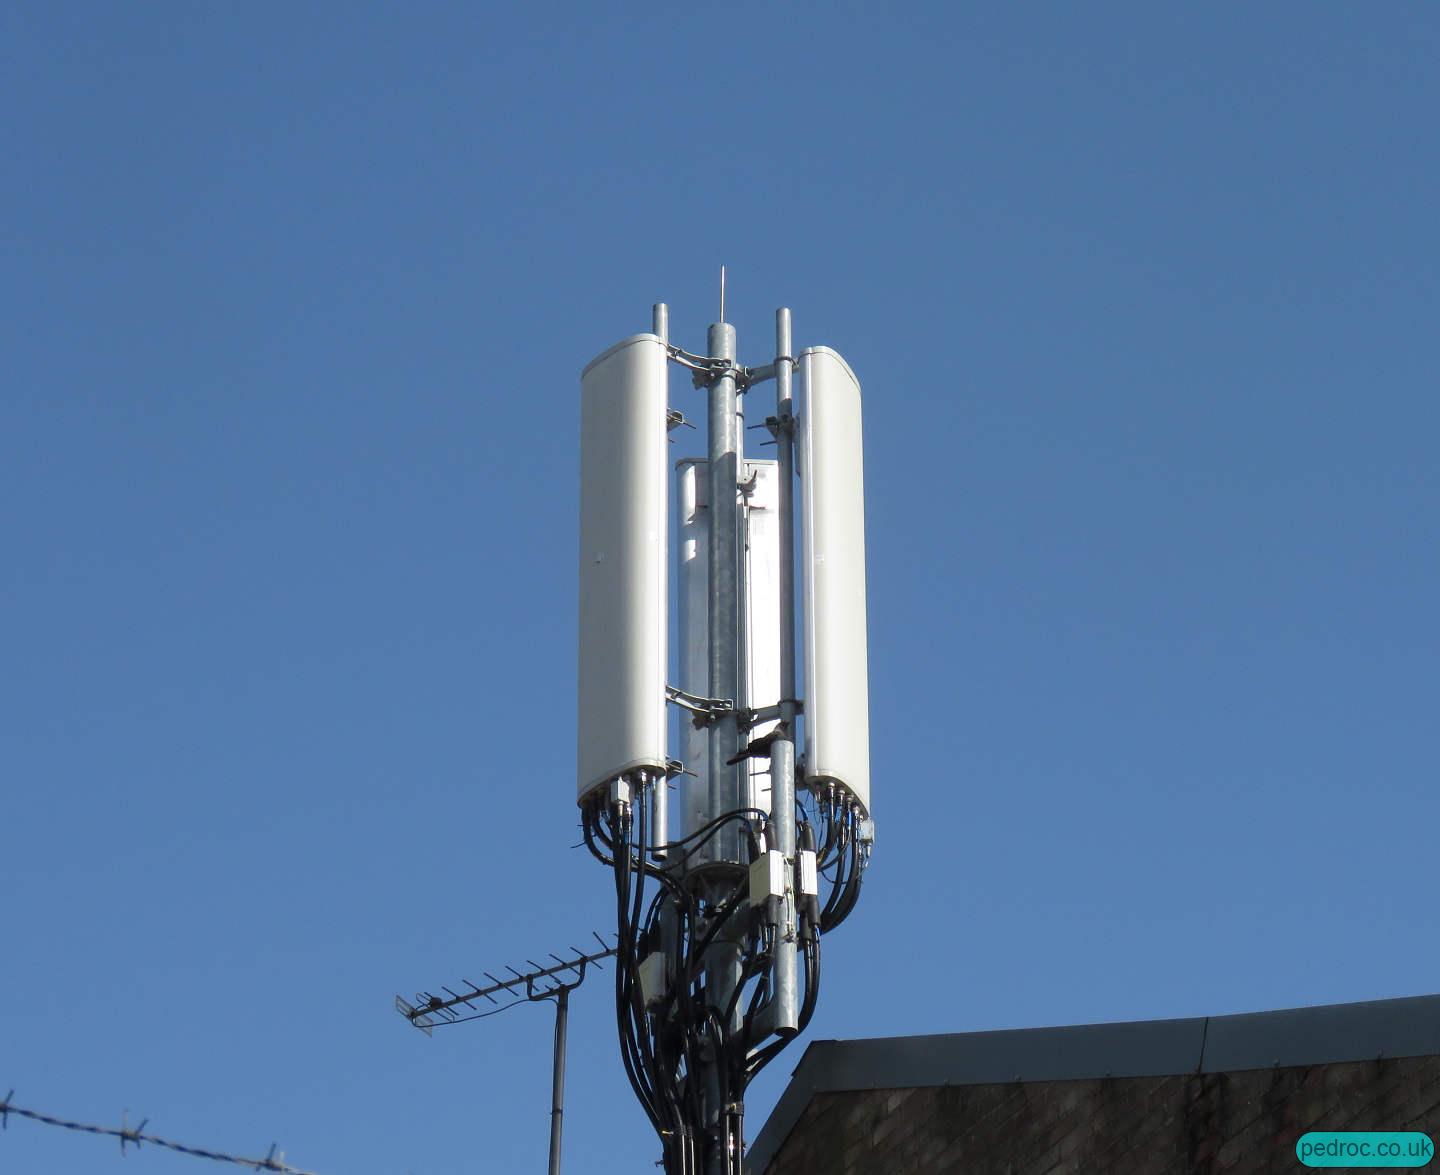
1243,1123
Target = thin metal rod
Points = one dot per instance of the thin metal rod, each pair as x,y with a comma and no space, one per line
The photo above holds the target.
724,592
785,446
660,794
557,1099
782,750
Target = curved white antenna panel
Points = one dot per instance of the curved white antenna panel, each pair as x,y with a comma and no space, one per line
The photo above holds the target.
832,487
623,466
760,624
692,596
760,617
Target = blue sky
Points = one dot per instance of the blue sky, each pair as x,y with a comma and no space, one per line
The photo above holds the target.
295,303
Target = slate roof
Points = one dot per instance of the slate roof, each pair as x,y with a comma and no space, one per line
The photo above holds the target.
1328,1034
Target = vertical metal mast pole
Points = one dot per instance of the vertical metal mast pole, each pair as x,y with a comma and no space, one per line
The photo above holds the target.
557,1099
782,751
660,792
724,590
723,971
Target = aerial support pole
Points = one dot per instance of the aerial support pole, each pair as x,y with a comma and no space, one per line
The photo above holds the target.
660,817
723,965
557,1094
782,751
724,474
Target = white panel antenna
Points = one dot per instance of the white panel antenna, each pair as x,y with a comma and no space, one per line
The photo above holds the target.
692,600
832,487
760,618
624,459
760,622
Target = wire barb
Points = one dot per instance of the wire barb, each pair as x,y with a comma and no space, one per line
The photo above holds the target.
136,1136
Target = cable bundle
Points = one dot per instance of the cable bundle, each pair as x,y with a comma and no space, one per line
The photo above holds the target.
695,1039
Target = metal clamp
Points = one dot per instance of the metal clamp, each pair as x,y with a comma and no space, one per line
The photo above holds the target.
780,424
706,710
720,369
758,375
708,368
689,359
752,718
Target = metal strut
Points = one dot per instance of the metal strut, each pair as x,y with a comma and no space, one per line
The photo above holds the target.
708,369
709,708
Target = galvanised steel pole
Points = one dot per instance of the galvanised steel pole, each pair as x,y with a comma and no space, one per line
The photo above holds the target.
660,810
782,750
723,971
557,1092
724,590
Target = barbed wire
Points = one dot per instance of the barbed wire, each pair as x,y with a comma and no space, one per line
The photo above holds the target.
136,1136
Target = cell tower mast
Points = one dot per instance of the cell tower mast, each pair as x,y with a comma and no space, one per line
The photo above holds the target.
720,919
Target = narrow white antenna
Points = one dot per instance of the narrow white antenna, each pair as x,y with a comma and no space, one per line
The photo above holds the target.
722,293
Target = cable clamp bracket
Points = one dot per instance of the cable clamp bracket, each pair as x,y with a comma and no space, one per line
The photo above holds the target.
706,710
780,424
752,718
707,369
719,369
699,363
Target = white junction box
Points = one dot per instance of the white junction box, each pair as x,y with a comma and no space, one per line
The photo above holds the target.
767,877
809,876
654,974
